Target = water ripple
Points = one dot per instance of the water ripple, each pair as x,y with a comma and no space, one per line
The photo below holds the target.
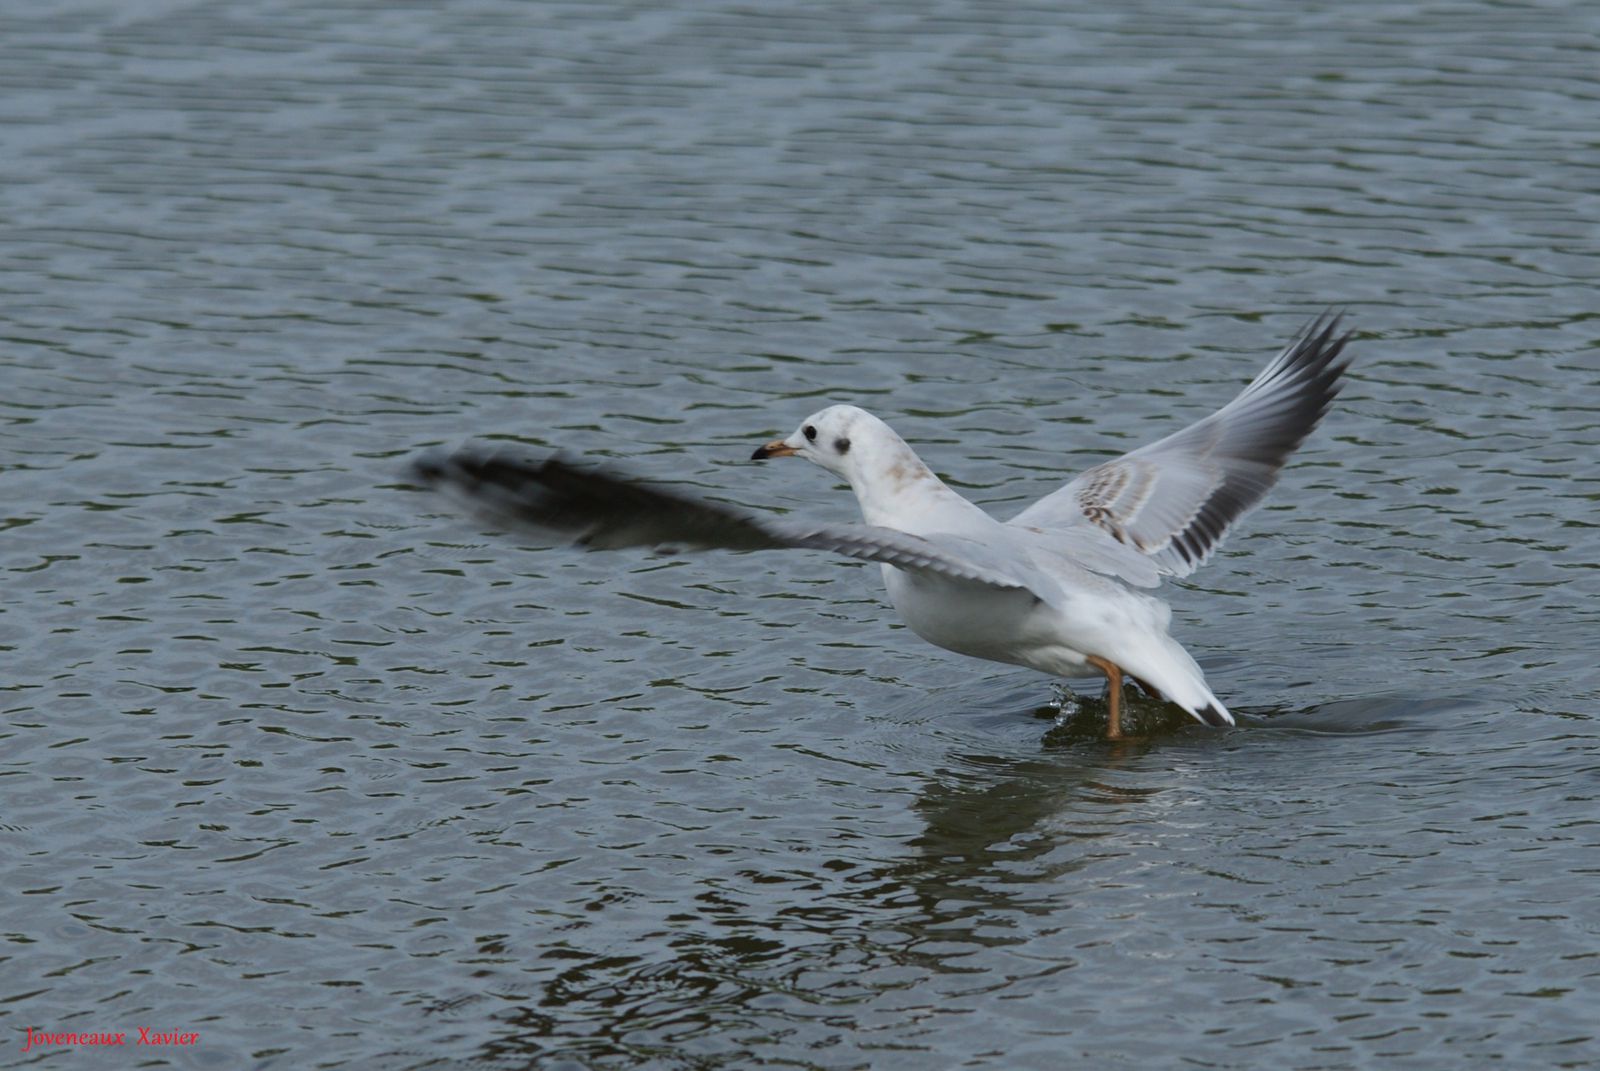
300,760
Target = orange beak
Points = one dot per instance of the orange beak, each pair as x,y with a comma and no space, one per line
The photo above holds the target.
776,448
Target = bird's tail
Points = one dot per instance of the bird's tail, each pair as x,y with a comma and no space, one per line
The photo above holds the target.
1171,671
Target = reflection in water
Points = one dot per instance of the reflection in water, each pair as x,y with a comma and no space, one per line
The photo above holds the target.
1064,856
1002,837
1001,832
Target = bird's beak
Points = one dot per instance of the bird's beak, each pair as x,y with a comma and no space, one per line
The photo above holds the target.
776,448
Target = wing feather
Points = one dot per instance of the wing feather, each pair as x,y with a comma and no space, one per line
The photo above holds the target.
1175,500
605,511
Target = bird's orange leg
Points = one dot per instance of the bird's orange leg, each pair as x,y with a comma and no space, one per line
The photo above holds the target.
1113,674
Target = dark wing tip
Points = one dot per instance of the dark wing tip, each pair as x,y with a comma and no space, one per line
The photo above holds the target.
1262,428
597,508
1294,393
469,466
504,485
1317,354
429,468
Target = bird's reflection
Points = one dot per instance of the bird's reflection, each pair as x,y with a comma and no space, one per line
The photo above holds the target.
1018,806
1002,828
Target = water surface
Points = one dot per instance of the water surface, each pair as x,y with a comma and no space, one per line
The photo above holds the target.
296,758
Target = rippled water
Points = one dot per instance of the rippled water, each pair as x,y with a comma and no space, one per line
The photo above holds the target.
295,758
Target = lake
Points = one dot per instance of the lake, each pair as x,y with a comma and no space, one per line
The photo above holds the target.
298,759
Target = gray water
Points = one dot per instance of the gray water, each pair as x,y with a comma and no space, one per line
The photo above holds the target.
298,759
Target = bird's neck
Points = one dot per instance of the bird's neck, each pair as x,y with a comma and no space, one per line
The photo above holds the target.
900,491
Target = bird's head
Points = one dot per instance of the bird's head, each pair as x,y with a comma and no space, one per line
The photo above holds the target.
834,438
865,452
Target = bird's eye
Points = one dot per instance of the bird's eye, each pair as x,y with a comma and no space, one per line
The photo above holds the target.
810,433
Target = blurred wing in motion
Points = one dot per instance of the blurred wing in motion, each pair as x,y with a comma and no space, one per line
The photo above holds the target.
604,511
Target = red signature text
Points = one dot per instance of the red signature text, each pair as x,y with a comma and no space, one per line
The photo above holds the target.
146,1036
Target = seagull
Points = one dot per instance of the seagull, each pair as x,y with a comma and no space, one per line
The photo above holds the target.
1054,588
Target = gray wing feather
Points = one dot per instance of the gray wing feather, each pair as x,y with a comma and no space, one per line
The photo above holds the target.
604,511
1087,547
1176,499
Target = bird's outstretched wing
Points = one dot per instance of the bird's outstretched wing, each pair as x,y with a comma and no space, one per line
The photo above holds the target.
605,511
1174,500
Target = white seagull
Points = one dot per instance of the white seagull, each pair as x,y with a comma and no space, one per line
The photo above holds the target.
1047,589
